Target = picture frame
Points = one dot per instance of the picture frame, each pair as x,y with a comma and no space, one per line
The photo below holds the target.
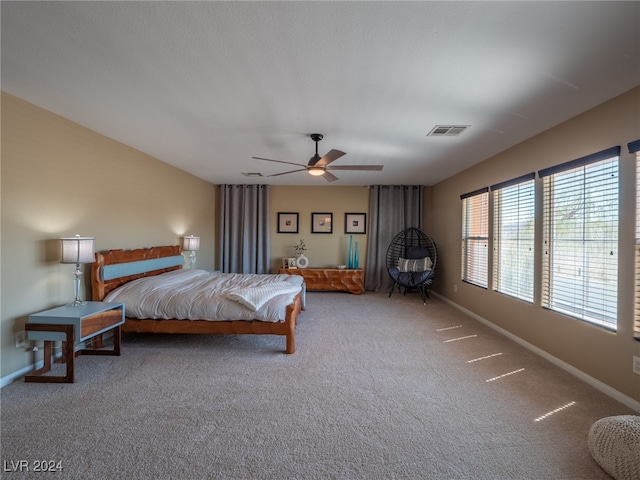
289,262
322,222
355,223
287,222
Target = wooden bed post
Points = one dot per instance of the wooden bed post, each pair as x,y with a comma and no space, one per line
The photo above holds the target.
293,311
291,337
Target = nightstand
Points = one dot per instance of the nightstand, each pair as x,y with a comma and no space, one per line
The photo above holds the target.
69,325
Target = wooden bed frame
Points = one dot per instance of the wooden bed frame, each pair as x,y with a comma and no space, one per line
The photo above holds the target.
102,287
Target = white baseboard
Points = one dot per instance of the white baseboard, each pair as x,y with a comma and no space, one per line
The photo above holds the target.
12,377
603,387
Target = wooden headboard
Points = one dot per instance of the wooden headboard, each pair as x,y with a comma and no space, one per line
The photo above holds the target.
131,264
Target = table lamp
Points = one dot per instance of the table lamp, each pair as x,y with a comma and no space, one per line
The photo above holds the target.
78,250
191,244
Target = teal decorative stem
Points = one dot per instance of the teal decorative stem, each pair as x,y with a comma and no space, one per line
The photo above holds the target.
350,257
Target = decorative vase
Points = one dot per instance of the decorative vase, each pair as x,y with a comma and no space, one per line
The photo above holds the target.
302,261
350,257
355,257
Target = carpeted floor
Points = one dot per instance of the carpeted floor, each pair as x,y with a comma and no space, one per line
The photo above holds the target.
378,388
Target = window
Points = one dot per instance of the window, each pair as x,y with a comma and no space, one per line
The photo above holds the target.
580,215
634,147
514,237
475,237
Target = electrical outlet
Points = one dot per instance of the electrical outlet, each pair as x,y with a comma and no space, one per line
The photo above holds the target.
21,339
636,365
455,288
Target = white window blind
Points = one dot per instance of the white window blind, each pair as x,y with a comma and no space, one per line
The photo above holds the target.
580,228
634,147
475,237
514,237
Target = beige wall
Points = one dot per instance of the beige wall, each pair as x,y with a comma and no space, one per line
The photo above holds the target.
601,354
60,179
323,250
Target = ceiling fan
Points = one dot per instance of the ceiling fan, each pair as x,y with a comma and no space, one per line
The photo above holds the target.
319,166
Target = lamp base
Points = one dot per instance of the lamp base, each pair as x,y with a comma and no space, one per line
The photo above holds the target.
76,286
77,303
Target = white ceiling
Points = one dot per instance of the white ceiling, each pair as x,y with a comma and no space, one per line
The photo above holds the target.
205,86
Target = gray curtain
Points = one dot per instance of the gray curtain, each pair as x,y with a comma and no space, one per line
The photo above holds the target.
392,208
243,229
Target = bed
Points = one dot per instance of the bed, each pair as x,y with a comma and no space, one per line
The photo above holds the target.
229,304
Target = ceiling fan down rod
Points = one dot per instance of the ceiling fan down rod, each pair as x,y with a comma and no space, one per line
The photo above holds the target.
316,137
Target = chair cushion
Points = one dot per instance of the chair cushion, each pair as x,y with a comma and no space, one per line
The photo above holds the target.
414,264
614,443
410,279
416,251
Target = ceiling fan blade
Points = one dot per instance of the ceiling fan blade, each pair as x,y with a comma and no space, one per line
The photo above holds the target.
376,168
329,177
329,157
278,161
284,173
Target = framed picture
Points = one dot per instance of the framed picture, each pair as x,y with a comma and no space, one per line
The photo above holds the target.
321,222
289,262
287,222
355,223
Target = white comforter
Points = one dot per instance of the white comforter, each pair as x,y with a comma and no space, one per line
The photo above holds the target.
202,295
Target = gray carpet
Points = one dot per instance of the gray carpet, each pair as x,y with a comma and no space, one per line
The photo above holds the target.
378,389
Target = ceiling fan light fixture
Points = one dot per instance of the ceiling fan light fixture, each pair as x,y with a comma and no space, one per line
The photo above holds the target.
316,171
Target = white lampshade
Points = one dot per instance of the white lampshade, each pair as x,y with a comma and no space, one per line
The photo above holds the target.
77,249
191,244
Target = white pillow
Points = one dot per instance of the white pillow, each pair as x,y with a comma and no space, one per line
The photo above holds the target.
414,264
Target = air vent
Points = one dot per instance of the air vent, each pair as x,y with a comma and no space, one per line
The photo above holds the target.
252,174
447,130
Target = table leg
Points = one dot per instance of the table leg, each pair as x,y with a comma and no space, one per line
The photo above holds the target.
67,354
117,340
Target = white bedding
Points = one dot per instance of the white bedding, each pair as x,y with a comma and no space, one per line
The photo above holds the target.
202,295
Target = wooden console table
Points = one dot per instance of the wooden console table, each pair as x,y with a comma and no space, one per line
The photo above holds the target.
330,279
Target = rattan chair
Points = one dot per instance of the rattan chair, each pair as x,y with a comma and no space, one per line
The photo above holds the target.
412,258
